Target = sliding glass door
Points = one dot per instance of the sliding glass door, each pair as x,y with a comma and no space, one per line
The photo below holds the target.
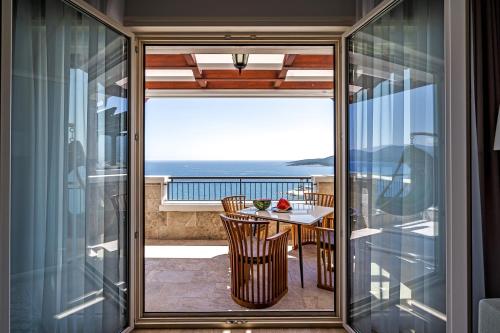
395,117
69,180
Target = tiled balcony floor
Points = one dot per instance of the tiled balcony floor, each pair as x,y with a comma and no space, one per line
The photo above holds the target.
193,276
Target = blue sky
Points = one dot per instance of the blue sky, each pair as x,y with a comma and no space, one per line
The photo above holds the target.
238,128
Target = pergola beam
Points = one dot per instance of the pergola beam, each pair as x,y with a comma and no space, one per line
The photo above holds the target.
191,61
240,84
287,62
230,78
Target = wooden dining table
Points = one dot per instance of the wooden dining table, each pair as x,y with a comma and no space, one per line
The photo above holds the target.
300,214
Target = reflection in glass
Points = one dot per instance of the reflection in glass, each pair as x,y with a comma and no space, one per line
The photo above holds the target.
69,172
395,124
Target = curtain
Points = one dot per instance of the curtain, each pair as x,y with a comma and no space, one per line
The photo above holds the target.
485,162
363,7
112,8
396,254
68,271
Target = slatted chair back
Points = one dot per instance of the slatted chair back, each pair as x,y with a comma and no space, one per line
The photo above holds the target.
315,199
259,264
325,242
319,199
234,203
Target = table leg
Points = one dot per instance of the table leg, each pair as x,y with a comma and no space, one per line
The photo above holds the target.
277,226
299,236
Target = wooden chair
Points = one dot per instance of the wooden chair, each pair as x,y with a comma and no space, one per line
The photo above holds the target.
325,242
259,263
234,203
308,233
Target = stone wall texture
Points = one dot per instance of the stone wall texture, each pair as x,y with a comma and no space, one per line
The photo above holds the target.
195,225
324,184
177,225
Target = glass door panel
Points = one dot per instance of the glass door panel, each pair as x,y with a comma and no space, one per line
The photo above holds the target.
396,252
69,197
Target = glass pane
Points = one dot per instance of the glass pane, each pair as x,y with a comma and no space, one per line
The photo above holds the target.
69,172
396,159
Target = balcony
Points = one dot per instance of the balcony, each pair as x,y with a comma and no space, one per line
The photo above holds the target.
186,261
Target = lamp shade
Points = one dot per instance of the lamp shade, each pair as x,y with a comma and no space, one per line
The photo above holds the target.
496,145
240,61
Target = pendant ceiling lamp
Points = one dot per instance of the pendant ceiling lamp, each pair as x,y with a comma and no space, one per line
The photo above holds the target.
240,61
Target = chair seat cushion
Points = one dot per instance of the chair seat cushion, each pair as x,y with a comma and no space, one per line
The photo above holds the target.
249,253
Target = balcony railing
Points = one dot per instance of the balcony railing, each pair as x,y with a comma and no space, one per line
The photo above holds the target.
216,188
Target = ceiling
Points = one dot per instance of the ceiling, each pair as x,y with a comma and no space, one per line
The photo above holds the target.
277,71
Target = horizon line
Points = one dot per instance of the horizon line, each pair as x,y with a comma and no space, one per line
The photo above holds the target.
174,160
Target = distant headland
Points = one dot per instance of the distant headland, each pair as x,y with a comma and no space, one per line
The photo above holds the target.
326,161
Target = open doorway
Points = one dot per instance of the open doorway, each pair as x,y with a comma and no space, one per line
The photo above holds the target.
253,122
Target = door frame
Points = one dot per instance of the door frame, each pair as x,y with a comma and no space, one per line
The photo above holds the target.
457,161
214,36
457,98
132,141
5,95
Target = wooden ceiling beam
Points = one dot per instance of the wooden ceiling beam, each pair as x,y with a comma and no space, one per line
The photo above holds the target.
303,61
321,85
232,84
188,61
172,85
165,61
289,59
307,67
287,62
232,79
191,61
245,74
240,79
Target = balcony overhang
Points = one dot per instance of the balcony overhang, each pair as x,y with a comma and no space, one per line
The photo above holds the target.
272,71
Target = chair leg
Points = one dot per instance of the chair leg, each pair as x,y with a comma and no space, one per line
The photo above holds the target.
323,259
330,255
295,242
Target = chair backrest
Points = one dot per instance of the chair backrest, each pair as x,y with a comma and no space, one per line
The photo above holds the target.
259,266
234,203
324,200
325,258
242,236
319,199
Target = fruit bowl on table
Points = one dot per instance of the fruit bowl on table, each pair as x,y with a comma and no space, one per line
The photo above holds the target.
262,204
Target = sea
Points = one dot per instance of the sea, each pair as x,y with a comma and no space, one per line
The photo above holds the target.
258,168
215,189
232,169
